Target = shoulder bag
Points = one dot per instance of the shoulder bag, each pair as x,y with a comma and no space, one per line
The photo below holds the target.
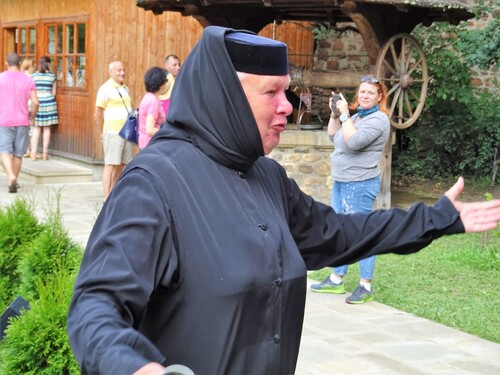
129,130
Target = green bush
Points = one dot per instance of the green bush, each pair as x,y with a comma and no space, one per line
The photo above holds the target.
18,227
45,270
36,343
452,139
52,248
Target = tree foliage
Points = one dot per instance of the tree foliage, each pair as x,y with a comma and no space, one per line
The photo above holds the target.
459,128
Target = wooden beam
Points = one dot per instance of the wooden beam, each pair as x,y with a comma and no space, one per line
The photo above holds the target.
365,28
325,79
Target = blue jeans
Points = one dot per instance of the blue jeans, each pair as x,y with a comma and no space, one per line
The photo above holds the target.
353,197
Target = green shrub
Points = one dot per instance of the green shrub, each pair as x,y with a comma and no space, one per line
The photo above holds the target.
36,343
451,139
18,227
44,271
52,248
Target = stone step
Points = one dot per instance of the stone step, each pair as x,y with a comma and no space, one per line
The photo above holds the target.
53,171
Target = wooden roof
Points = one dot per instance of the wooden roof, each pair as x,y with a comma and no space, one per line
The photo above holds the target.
256,14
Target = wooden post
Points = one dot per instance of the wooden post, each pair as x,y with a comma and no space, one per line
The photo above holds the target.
384,197
366,30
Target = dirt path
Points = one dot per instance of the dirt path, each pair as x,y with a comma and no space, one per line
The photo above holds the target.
428,190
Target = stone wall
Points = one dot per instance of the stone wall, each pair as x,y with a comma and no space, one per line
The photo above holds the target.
485,79
306,157
342,50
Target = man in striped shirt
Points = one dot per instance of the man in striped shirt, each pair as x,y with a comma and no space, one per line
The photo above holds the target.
113,103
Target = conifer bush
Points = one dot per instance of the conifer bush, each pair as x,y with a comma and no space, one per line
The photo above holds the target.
43,270
36,343
52,248
18,227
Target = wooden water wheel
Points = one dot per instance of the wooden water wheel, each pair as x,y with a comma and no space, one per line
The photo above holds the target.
402,67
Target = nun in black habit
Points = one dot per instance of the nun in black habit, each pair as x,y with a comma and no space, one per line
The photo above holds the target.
199,255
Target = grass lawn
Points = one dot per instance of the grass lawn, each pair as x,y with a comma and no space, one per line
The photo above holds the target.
454,281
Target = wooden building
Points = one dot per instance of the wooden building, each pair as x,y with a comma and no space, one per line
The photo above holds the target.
83,36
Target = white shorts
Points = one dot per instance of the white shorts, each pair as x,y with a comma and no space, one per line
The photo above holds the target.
116,150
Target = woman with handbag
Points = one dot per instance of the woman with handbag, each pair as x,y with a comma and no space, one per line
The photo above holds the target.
151,113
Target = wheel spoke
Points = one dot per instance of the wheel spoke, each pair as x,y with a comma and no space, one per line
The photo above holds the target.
395,99
395,58
414,96
387,65
393,88
415,66
410,57
404,60
400,105
408,106
415,80
391,79
406,47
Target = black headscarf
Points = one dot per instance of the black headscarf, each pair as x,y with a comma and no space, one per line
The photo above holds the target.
209,108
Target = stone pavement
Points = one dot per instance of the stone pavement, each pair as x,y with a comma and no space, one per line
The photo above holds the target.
369,339
375,339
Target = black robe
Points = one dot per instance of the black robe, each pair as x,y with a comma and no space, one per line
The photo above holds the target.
200,253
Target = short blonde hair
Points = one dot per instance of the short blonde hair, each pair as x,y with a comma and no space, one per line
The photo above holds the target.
28,65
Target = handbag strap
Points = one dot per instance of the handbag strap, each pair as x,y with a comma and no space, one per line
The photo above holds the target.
121,97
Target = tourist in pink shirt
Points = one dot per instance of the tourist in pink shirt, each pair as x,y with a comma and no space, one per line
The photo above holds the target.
16,88
151,113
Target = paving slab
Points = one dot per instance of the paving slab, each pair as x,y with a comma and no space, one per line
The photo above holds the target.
53,171
373,338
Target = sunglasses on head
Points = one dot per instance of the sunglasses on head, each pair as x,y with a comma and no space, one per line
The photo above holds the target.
369,79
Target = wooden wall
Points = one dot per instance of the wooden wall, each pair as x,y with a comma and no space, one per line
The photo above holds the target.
119,30
34,9
299,38
139,39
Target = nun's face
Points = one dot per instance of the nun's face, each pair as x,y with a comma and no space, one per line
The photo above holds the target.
266,95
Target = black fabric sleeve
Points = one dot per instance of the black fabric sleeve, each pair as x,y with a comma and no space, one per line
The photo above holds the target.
326,238
130,253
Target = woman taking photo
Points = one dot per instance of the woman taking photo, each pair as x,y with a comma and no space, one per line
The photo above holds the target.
359,141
